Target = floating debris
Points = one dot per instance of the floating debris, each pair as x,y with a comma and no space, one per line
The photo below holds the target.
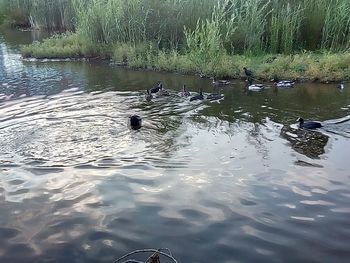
153,258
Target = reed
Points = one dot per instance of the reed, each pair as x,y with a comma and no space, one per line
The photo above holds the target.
224,26
336,30
284,29
313,22
204,43
15,12
137,21
3,11
250,20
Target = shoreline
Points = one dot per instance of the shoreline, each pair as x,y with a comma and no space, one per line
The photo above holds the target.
123,65
322,67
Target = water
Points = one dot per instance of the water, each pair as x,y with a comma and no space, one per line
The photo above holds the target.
233,181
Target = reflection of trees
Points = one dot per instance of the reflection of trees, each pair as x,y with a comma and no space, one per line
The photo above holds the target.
306,142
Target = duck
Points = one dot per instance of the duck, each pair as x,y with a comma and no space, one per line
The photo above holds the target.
220,82
255,87
135,122
283,83
198,96
215,96
185,92
148,96
158,87
341,86
163,92
309,124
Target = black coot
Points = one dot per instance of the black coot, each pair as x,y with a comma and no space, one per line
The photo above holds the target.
309,124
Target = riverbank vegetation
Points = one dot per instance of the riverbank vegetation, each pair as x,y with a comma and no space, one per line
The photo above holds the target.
284,38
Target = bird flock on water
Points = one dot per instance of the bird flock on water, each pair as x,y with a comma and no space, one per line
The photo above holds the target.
135,121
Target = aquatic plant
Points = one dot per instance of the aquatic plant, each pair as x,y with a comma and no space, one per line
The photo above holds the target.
204,43
284,27
336,29
240,26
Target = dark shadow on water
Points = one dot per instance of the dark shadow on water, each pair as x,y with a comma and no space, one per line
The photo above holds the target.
307,142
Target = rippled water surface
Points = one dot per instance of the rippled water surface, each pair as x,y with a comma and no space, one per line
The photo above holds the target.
228,181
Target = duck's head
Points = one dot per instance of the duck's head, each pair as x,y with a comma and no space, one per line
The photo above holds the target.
135,122
184,87
300,120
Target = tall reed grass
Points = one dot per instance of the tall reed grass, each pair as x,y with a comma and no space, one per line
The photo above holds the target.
39,14
336,29
284,29
233,26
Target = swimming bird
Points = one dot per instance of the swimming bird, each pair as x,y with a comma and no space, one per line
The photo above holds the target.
284,83
163,92
220,82
135,122
341,86
198,96
157,88
309,124
148,96
185,92
215,96
254,87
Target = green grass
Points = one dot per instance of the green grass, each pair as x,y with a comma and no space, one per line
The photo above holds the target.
313,66
58,46
197,36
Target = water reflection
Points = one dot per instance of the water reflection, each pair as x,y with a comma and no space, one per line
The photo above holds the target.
307,142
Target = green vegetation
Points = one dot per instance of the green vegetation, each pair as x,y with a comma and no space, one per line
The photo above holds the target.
325,66
253,26
38,14
200,36
67,45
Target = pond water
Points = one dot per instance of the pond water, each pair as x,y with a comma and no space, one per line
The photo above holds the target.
228,181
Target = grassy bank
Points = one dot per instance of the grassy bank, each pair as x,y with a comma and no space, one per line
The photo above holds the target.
313,66
212,37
